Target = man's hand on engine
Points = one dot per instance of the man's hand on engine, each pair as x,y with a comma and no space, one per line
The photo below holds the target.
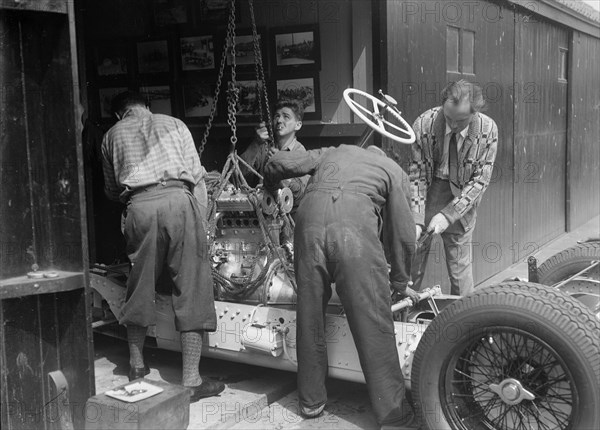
408,292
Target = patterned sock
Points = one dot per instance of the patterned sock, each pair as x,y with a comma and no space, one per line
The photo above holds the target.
191,349
136,336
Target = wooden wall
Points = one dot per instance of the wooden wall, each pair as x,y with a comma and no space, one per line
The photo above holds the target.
548,153
584,137
416,74
39,191
540,132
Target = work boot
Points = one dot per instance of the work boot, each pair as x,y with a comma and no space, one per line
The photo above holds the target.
138,372
206,389
311,412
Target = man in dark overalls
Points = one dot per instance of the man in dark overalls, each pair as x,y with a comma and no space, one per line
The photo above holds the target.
351,196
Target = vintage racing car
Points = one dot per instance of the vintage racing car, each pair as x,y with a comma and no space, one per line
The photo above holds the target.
517,355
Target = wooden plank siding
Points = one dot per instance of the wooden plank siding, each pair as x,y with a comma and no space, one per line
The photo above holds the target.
416,74
584,138
546,178
540,133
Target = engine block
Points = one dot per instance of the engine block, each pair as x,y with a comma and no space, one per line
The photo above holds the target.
241,254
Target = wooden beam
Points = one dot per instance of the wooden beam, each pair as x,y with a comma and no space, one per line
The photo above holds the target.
562,14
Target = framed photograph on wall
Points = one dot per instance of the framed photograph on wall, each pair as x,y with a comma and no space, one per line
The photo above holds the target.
170,12
304,89
215,12
197,53
105,96
159,98
153,56
296,48
244,50
248,108
111,60
198,98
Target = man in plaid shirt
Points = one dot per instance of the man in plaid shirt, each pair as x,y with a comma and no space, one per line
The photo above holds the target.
452,160
151,164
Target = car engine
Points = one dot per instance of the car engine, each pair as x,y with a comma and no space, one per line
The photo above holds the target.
250,262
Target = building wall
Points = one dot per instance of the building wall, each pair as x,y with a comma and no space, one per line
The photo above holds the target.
540,132
517,61
417,72
584,136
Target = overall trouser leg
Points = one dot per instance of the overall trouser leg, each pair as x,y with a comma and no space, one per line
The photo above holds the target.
314,291
362,282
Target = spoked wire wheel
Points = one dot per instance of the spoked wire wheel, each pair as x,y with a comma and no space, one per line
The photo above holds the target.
512,356
508,380
576,271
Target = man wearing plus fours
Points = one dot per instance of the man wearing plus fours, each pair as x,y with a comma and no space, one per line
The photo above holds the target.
451,166
151,164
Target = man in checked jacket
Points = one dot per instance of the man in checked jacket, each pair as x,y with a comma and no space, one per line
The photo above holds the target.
452,160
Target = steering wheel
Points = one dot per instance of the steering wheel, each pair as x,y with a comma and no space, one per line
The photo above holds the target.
398,130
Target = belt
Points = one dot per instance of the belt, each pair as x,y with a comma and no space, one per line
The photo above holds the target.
311,188
169,183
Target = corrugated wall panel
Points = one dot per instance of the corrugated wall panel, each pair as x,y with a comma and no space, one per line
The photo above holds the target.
540,133
584,145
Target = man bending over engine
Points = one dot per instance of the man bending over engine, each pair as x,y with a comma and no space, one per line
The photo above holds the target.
151,164
351,196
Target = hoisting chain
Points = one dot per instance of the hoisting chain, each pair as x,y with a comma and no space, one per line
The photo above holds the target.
213,110
243,286
260,77
233,92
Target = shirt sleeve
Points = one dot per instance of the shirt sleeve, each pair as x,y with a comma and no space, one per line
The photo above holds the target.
400,232
292,164
111,189
418,175
190,154
255,155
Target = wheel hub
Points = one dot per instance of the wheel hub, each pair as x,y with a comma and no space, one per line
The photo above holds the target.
511,391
